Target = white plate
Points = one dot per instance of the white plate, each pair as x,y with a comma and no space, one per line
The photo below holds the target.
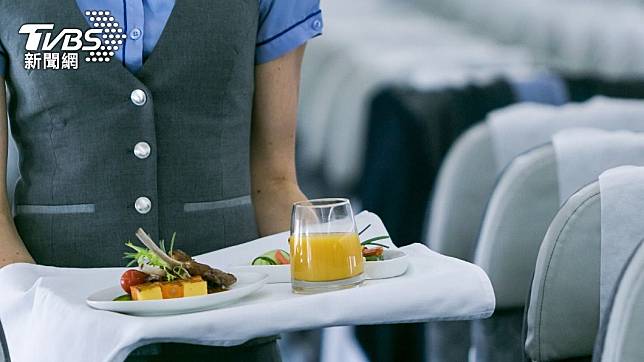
395,264
247,283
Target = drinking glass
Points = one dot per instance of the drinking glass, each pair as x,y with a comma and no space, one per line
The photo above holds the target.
325,248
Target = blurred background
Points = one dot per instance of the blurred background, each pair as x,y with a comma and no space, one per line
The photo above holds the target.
391,84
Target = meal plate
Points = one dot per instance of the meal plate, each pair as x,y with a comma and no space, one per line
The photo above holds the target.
395,264
247,283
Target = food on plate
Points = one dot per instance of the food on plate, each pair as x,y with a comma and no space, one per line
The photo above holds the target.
192,287
123,298
373,241
273,257
217,279
373,254
132,277
168,274
377,253
147,291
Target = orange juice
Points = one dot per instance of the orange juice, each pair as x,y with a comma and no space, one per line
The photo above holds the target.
325,257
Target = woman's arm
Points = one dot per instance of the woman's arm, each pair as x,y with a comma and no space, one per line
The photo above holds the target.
12,249
273,179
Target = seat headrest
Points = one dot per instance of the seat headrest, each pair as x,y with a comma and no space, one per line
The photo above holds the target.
463,186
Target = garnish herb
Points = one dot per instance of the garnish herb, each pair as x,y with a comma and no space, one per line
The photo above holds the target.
365,229
144,256
372,241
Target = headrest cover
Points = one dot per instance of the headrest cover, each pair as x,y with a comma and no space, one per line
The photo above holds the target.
458,203
521,127
584,153
620,337
523,203
622,226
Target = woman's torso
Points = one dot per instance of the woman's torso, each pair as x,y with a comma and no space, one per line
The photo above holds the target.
86,181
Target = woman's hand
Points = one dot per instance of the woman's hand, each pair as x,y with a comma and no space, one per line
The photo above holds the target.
273,178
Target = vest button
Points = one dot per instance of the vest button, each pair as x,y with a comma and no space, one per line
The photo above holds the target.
142,150
143,205
138,97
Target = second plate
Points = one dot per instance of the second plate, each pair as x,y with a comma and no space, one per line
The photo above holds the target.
395,264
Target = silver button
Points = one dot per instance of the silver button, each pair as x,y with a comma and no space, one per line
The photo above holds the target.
136,33
317,24
143,205
138,97
142,150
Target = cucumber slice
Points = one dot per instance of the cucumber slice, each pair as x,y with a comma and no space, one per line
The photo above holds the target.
375,258
273,257
263,260
123,298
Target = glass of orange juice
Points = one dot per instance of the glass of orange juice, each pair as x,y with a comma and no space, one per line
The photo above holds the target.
325,249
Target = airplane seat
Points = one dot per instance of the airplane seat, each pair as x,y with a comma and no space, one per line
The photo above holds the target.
563,309
458,204
454,220
521,207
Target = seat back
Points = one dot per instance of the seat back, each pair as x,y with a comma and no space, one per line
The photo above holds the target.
458,203
620,339
563,310
522,205
455,216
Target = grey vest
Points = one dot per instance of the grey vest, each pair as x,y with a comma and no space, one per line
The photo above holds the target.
76,132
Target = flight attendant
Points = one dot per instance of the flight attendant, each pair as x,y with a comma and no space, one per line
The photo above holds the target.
183,121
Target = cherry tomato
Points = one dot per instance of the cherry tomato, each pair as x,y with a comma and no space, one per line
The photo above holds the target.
132,277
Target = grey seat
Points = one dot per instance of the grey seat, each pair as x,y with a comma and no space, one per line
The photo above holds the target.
454,222
620,339
526,198
458,204
520,209
563,310
522,205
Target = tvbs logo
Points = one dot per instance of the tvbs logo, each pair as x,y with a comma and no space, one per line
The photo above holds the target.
41,38
100,43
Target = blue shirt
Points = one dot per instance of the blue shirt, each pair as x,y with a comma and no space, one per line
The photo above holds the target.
283,26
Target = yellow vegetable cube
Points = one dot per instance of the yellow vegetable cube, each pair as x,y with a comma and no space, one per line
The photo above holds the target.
194,287
147,291
172,290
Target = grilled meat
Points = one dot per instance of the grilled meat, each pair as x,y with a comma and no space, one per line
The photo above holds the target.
216,278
